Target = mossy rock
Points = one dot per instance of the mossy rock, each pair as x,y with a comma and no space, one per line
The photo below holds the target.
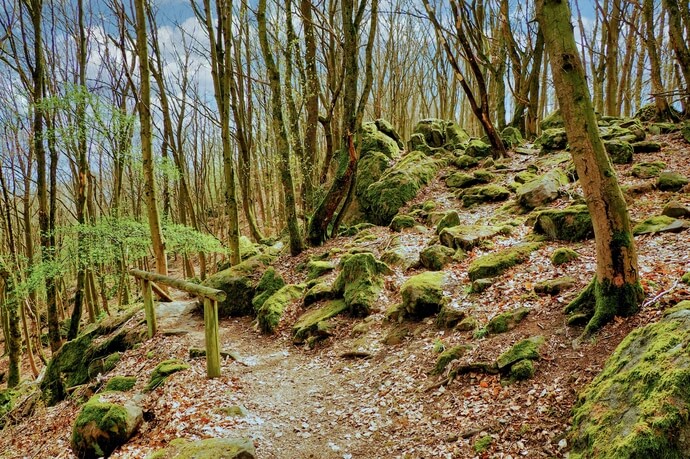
272,310
480,285
469,323
483,194
676,210
455,136
448,356
542,190
663,128
495,264
685,131
449,219
433,132
396,335
554,286
247,248
360,281
671,181
314,323
436,257
659,224
373,139
422,295
524,177
527,349
482,444
647,170
121,383
317,268
465,162
571,224
646,146
163,370
400,222
370,169
460,180
506,321
552,120
522,370
209,448
477,149
403,256
551,140
511,137
318,292
620,151
449,316
638,405
467,237
387,128
398,185
103,426
686,278
563,255
240,284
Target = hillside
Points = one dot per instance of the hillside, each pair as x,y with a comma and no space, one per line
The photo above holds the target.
363,385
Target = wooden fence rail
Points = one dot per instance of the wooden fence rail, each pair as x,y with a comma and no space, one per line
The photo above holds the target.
210,296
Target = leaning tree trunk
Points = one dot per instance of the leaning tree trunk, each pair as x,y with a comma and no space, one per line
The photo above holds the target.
615,289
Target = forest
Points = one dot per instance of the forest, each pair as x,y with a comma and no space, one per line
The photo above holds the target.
339,228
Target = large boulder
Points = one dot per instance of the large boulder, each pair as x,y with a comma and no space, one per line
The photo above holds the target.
495,264
620,151
671,181
209,448
360,282
482,194
638,405
478,149
647,170
269,283
570,224
104,423
551,139
542,190
272,310
315,323
373,139
422,295
552,121
387,128
432,134
467,237
240,283
511,137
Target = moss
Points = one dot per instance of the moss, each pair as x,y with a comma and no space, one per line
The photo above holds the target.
469,323
467,237
522,370
507,320
370,169
478,149
638,405
422,295
465,162
317,268
524,177
210,448
163,370
449,316
240,283
311,323
686,278
571,224
121,383
495,264
436,257
511,137
671,181
541,190
247,248
401,222
373,139
448,356
450,219
387,128
271,312
360,282
551,139
554,286
652,225
647,170
552,120
527,349
482,194
483,444
563,255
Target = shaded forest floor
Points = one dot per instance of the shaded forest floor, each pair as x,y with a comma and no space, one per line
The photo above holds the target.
318,403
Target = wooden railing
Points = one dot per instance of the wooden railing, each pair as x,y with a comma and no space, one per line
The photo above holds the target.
210,296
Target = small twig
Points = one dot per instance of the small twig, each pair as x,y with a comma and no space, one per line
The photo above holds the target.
656,298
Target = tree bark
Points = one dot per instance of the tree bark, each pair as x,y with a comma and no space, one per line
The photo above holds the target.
616,288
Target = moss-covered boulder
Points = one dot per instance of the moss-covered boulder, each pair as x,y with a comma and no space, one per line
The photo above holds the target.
563,255
467,237
432,131
464,180
495,264
542,190
374,139
315,323
638,405
104,423
163,370
685,131
522,370
480,285
450,316
397,186
247,248
511,137
647,170
676,210
527,349
404,256
318,292
659,224
448,356
506,321
272,310
70,365
269,283
465,162
552,121
436,257
477,149
317,268
482,194
387,128
209,448
400,222
121,383
551,140
570,224
449,219
360,282
240,283
554,286
422,295
671,181
646,146
620,151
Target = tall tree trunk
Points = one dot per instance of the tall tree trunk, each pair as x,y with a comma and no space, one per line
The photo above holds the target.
144,105
612,75
616,289
663,109
679,42
310,166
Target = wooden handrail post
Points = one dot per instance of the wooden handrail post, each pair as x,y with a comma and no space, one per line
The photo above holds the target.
149,311
212,338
